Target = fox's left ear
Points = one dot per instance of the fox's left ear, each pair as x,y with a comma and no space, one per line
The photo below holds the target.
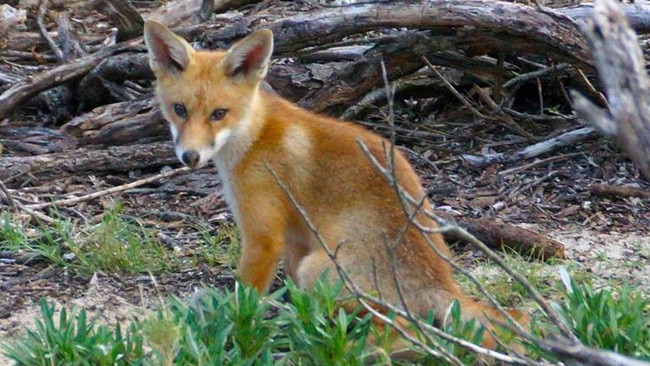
249,58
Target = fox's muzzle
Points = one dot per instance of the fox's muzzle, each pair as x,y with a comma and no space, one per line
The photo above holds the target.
190,158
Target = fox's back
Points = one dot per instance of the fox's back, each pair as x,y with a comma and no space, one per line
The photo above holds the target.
320,163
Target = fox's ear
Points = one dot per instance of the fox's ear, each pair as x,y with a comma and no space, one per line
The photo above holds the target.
249,58
167,51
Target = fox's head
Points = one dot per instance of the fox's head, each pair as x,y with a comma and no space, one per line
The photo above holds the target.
207,97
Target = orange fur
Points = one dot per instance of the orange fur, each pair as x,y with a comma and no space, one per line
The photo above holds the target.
320,163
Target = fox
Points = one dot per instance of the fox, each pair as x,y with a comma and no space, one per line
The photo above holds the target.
302,187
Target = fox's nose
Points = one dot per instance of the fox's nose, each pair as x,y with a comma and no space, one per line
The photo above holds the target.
190,158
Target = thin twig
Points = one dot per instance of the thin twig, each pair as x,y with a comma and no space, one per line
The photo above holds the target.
5,191
112,190
349,284
538,117
19,206
553,316
40,18
455,92
518,80
406,199
507,120
390,97
538,162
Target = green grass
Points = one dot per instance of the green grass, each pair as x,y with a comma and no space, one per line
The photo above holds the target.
219,248
114,244
510,293
37,242
118,244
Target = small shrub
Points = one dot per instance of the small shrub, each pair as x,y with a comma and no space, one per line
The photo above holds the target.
216,328
74,340
318,332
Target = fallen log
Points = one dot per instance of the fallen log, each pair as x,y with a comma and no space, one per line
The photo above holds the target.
21,171
118,124
474,26
13,97
506,237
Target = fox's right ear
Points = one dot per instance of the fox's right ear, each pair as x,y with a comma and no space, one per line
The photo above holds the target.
167,51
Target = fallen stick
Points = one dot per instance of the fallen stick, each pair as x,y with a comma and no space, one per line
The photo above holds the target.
106,192
532,151
19,206
618,191
502,236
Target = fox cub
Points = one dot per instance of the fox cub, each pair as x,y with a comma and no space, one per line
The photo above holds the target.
271,154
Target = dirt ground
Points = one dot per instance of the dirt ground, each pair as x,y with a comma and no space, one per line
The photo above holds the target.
606,237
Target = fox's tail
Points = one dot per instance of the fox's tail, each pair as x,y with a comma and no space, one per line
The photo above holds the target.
400,348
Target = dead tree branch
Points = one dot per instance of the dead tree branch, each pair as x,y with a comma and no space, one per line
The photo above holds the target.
21,92
621,68
534,150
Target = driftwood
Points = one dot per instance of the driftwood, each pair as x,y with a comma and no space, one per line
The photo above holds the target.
621,68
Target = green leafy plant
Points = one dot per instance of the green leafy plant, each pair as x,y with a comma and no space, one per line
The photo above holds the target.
607,319
75,340
216,328
319,332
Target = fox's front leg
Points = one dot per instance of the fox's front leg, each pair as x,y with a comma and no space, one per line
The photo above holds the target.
259,258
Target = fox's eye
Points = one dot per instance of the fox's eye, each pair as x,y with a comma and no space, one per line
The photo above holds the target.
180,110
218,114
